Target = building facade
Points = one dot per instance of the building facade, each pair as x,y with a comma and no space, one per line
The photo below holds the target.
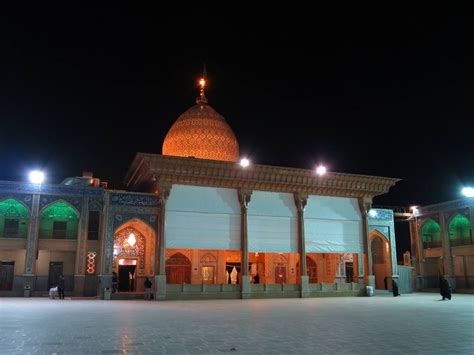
199,225
442,244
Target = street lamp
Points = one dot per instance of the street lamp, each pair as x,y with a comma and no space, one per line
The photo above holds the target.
36,177
244,162
321,170
468,191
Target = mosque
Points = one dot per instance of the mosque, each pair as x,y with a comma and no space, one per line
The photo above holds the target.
199,222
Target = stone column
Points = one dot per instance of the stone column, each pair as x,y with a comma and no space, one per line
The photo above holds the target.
29,277
418,246
447,258
79,273
300,201
106,246
160,270
365,204
244,199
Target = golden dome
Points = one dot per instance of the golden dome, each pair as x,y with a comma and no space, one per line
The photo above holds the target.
202,133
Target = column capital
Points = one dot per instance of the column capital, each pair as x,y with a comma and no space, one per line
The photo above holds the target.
164,190
365,204
245,195
301,200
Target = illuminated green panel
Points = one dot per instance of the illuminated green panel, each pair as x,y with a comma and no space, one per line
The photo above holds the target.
460,231
13,212
59,212
431,234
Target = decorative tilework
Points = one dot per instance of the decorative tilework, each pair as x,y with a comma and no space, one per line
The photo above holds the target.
131,199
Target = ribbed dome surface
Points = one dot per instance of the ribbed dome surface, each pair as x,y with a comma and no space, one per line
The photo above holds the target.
201,132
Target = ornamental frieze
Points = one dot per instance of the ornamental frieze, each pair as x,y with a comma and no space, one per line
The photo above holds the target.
49,189
134,200
381,214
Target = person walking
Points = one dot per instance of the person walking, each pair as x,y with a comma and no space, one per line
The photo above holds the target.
444,288
61,287
395,288
148,290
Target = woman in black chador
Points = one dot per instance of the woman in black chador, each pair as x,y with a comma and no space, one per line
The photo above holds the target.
444,288
395,288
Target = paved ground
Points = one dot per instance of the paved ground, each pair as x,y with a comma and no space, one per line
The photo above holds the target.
417,323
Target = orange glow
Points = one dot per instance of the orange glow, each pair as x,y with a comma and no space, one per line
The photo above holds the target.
202,83
132,239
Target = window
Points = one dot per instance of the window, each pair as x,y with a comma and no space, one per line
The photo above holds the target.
93,227
11,227
59,230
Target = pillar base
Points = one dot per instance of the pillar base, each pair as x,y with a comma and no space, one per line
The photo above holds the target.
29,284
105,281
79,281
246,293
160,287
304,286
360,280
372,281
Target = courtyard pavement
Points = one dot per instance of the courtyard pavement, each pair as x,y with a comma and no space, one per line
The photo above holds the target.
417,323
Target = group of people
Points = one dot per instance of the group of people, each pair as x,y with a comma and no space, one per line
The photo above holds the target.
444,288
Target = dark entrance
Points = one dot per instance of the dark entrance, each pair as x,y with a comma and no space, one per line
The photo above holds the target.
127,278
55,270
7,269
349,272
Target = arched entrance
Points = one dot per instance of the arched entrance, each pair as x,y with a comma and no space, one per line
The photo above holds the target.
178,269
133,256
281,269
380,260
311,270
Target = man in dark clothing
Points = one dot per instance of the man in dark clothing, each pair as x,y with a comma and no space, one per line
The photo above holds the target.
147,285
61,287
395,288
256,279
445,288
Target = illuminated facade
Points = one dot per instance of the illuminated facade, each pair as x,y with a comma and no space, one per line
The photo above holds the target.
442,244
199,225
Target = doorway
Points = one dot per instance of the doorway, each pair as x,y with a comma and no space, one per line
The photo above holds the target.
55,270
232,273
178,269
6,275
280,274
349,271
126,281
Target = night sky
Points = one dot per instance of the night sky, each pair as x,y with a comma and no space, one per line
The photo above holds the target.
85,89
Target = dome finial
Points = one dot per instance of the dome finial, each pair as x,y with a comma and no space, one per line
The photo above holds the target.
202,99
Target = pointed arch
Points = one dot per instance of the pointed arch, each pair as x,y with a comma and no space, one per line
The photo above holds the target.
143,251
178,269
381,258
59,220
14,218
431,234
460,230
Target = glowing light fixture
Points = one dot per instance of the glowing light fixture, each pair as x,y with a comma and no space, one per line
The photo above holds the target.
321,170
244,162
132,240
202,82
373,213
468,191
36,177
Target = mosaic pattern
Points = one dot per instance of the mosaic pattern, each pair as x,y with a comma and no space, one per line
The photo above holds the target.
122,248
26,199
73,201
385,215
202,133
91,259
133,200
